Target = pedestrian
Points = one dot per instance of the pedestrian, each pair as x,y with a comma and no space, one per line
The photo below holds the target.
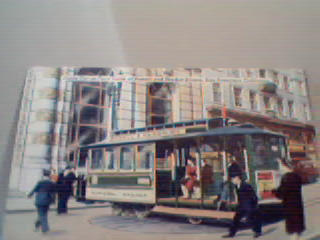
44,190
227,193
69,178
65,189
247,207
290,193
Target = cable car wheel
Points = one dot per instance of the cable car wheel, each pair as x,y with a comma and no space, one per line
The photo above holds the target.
116,210
194,220
141,214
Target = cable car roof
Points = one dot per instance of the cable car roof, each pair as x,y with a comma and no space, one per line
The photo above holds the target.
244,129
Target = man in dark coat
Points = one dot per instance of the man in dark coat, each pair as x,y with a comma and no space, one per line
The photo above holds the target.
206,177
65,189
44,190
290,193
247,207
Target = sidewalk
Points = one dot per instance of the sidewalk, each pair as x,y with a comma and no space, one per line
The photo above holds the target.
19,202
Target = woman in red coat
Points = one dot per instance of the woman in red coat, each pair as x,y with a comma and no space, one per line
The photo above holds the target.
191,176
290,193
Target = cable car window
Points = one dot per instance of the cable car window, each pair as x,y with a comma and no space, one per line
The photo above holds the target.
97,159
275,146
146,157
126,158
83,155
260,147
110,161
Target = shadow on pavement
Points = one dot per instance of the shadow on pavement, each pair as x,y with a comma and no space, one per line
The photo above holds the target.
271,214
162,224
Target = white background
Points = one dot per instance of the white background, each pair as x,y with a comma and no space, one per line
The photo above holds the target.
153,33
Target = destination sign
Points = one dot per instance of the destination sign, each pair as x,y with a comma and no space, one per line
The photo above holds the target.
121,195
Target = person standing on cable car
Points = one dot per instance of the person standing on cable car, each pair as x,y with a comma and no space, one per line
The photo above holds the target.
206,177
190,180
228,187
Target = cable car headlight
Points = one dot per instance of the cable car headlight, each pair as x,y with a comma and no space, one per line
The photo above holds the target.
143,181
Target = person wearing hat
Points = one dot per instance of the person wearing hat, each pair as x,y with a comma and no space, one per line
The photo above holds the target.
247,207
44,190
65,189
291,194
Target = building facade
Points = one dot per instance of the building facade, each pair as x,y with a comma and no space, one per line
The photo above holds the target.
63,108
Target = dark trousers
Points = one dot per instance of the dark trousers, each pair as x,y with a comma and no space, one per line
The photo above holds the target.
253,217
42,220
62,203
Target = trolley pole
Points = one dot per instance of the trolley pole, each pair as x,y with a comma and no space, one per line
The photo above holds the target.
224,157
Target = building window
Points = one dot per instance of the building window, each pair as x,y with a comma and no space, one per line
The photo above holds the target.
280,107
87,135
89,115
237,96
248,73
262,73
91,102
286,83
290,109
302,88
159,108
216,93
306,112
94,71
276,78
267,104
253,100
90,95
291,84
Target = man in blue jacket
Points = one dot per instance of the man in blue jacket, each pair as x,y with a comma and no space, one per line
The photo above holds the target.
44,190
247,207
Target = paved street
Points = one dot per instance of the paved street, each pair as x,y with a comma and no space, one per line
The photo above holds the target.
95,223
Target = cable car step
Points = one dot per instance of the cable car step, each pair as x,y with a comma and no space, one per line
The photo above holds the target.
200,213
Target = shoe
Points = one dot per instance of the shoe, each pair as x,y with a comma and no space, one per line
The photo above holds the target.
228,236
256,235
36,227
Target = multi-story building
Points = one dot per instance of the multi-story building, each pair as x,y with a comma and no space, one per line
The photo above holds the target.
63,108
